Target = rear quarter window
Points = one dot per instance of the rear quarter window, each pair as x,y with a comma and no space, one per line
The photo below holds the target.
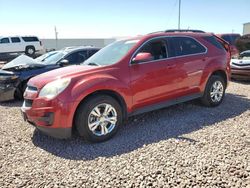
212,40
30,39
187,46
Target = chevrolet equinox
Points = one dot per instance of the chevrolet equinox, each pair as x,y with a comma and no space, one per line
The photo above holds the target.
125,78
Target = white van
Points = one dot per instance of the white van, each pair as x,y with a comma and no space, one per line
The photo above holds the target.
28,44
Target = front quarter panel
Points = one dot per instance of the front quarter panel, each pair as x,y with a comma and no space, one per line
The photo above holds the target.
79,89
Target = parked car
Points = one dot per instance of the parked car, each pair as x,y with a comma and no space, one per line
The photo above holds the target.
231,39
126,78
15,74
241,67
25,44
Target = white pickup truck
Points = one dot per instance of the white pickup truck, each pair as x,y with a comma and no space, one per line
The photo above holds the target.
19,44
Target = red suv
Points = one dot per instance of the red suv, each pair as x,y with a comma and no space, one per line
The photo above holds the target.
126,78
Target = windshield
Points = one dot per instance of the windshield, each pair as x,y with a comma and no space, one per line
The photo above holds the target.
245,56
111,54
44,56
51,57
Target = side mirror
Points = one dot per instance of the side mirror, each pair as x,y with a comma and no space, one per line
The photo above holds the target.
64,62
142,57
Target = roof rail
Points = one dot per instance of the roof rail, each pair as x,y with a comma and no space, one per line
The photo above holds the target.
184,30
156,32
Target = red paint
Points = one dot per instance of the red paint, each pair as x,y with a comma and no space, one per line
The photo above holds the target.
139,85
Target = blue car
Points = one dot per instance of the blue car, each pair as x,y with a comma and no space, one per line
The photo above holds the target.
15,74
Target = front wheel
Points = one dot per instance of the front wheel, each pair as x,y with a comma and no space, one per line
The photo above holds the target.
98,118
214,92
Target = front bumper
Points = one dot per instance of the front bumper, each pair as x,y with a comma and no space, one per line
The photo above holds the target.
240,73
7,92
52,117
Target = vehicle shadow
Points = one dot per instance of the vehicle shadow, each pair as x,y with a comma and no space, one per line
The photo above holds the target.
244,82
146,129
13,103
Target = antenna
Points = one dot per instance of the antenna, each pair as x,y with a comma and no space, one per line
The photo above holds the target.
56,35
179,20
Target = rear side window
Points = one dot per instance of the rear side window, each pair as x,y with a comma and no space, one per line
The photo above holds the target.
187,46
15,39
5,40
214,41
30,39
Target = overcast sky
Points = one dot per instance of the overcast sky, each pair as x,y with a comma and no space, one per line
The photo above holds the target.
111,18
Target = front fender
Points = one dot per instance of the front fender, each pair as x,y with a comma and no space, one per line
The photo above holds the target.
80,89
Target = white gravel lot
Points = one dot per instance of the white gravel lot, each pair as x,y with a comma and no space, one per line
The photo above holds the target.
185,145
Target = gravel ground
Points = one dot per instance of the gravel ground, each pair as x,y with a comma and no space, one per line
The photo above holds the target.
185,145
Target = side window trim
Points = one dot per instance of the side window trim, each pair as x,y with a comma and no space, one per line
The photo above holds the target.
167,38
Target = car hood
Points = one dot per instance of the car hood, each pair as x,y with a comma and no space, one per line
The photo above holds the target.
22,62
66,72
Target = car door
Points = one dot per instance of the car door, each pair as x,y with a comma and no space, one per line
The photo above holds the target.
152,81
5,46
190,58
16,43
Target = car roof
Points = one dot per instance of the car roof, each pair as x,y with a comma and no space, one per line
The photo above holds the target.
170,33
175,33
76,48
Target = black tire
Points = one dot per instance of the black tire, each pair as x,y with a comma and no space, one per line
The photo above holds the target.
30,51
20,90
83,114
207,98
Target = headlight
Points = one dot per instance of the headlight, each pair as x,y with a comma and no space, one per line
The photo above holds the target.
54,88
8,77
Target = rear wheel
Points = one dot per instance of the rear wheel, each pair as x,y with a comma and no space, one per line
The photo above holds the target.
99,118
30,51
214,92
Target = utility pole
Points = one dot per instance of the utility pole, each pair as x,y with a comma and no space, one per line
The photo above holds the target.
179,20
56,35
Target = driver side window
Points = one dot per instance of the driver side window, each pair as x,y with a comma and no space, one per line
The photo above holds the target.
157,48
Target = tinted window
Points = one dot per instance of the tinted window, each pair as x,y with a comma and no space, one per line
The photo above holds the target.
157,48
15,39
77,57
214,42
92,52
187,46
30,39
5,40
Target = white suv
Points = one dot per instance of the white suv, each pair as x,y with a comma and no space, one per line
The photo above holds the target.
28,44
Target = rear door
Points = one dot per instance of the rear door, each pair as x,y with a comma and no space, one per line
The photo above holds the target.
190,58
16,43
5,46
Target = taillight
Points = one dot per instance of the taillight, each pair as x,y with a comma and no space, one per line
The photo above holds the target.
41,43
